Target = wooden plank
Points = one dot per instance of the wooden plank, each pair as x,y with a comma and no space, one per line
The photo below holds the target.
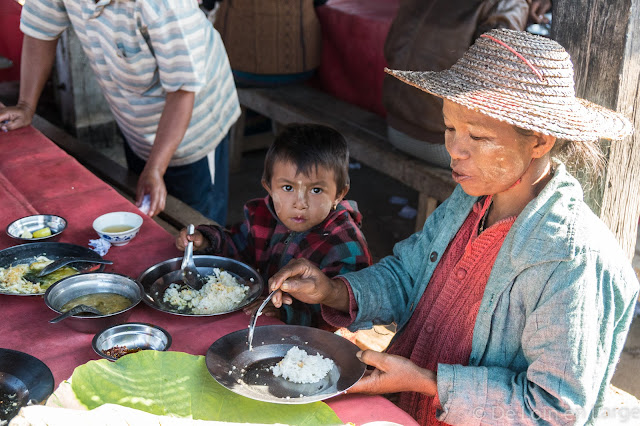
365,133
605,49
176,213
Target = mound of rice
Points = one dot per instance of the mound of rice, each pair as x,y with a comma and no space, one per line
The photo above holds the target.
299,367
221,293
12,278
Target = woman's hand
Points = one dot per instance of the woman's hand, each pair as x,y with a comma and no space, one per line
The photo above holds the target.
393,374
537,10
199,241
304,281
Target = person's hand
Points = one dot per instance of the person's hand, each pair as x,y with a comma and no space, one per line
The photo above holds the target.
537,10
393,374
304,281
199,241
12,118
151,182
269,310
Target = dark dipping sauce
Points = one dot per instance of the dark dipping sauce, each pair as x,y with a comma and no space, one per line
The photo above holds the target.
106,303
120,351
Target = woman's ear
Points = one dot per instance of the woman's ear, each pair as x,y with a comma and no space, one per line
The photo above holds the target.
266,186
542,145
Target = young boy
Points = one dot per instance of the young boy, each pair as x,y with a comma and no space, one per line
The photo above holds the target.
306,175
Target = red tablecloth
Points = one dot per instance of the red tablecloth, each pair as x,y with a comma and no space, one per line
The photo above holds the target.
353,35
38,177
10,38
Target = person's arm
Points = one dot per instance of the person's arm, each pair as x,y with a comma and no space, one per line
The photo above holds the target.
303,280
37,61
172,127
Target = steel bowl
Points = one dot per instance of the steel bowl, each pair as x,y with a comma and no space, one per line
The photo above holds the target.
156,279
132,335
75,286
33,223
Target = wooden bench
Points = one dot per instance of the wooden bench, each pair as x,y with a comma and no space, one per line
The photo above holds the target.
176,215
365,132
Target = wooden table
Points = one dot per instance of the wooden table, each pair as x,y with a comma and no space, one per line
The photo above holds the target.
38,177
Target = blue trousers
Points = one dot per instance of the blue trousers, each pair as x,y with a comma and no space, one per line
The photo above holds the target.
191,183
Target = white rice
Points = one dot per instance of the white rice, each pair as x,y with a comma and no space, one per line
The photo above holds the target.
299,367
12,278
221,293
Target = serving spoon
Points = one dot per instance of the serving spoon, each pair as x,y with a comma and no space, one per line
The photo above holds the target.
59,263
75,310
254,318
190,274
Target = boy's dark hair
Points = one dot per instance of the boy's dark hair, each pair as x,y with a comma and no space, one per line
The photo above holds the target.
309,146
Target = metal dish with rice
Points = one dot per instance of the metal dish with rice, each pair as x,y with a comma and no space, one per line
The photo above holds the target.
17,277
224,293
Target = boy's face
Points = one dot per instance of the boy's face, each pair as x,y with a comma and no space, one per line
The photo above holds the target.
301,201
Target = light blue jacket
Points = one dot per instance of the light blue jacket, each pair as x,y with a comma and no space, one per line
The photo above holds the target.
553,320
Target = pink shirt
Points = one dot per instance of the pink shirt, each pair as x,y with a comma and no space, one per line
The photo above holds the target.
440,330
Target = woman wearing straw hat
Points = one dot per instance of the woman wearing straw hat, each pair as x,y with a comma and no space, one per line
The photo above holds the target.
514,301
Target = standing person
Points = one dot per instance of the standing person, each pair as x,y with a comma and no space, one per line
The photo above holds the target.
433,35
514,301
165,74
304,215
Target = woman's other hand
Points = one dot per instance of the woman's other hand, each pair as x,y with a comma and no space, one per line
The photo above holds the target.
304,281
199,241
393,374
537,10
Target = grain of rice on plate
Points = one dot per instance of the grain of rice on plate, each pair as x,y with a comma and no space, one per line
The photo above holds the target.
299,367
221,293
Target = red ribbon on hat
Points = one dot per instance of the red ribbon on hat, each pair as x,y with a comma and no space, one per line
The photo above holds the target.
512,50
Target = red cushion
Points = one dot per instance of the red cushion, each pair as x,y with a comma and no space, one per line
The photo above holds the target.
353,35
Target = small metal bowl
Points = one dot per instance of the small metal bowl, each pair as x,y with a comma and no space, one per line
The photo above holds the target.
75,286
132,335
33,223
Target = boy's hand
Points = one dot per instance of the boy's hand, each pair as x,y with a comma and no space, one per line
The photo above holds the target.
199,241
269,310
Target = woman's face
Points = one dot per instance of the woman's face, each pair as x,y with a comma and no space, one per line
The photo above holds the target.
302,202
487,155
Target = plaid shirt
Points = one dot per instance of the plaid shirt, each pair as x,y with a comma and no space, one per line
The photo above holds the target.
336,246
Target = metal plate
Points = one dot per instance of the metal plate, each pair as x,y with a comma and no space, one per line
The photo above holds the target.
27,253
159,277
248,373
23,379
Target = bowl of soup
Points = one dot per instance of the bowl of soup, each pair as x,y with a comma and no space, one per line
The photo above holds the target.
113,295
118,228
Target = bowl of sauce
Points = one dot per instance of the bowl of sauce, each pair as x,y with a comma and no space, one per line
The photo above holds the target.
119,340
118,228
113,295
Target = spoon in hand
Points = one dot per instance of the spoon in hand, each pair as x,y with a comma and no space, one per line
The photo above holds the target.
254,318
190,274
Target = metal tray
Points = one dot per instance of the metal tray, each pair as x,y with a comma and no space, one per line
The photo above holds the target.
27,253
156,279
247,372
23,379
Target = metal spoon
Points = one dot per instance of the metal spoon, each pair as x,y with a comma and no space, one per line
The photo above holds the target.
254,318
75,310
190,273
59,263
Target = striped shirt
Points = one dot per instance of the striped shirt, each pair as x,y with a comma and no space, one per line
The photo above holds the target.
140,50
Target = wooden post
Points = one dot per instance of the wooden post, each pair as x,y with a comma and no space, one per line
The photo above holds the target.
603,39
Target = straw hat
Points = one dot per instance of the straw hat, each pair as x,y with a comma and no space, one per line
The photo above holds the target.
525,80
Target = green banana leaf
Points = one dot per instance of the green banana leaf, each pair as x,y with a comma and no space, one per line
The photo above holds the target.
179,384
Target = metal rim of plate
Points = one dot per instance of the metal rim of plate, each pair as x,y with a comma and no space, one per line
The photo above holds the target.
248,373
25,376
157,278
27,253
